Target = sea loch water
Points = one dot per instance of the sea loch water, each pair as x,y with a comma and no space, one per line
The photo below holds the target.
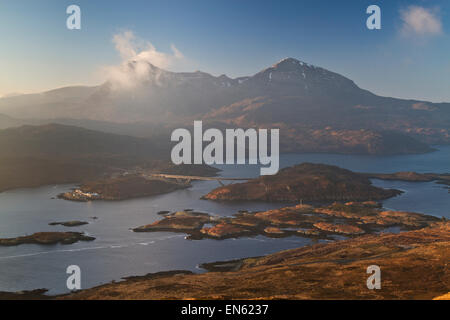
117,252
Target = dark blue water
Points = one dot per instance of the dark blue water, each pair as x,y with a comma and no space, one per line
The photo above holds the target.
118,252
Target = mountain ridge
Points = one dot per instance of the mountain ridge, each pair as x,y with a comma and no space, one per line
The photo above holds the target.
288,72
301,99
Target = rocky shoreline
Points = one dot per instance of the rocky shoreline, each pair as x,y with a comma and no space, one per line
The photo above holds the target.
425,247
38,294
335,270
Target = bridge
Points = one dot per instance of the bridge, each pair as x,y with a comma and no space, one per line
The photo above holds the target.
188,179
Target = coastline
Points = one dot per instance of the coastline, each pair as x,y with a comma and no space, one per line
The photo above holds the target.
346,252
183,205
294,274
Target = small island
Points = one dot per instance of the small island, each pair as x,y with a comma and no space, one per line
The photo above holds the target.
181,221
47,238
69,223
440,178
304,182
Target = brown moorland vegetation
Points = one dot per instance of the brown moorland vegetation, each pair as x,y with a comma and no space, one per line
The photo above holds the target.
334,270
307,182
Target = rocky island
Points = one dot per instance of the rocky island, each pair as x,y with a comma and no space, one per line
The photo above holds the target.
47,238
349,219
305,182
182,221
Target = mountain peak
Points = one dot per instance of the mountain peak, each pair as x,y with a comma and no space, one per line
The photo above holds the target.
288,60
289,63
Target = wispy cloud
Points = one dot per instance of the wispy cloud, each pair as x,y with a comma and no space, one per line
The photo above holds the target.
420,21
138,56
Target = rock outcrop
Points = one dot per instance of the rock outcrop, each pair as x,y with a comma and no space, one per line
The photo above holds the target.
339,228
225,230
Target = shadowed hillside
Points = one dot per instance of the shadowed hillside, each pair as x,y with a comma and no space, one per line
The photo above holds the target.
37,155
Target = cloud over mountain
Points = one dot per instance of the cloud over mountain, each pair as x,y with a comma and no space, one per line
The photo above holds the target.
138,56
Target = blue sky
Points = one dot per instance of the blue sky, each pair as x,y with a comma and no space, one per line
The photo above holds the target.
409,57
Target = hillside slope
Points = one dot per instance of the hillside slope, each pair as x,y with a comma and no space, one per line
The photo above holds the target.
334,270
307,182
53,154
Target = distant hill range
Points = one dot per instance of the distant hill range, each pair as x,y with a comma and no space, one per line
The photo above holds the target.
32,156
317,110
62,141
6,122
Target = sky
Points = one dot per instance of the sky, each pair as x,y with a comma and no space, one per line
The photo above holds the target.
409,57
